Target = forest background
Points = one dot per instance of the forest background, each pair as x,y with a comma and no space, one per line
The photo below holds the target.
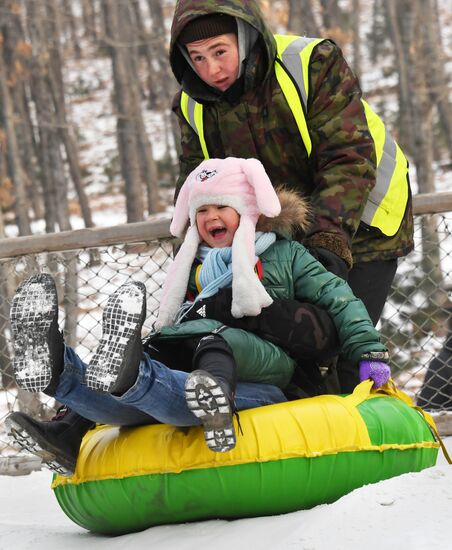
86,88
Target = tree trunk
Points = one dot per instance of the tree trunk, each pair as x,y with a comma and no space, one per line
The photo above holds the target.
403,29
28,147
13,156
437,78
71,24
16,58
400,42
51,162
145,48
89,17
168,85
56,85
332,14
127,109
356,26
301,18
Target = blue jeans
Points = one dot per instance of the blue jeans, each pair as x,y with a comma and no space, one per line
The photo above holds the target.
158,395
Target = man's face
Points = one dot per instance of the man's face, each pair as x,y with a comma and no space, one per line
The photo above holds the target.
216,60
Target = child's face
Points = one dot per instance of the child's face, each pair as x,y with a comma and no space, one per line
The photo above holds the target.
217,224
216,60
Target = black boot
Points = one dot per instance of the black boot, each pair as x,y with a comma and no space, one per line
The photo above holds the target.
38,344
210,390
56,442
114,366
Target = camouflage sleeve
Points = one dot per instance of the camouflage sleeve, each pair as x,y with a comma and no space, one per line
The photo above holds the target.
191,154
343,158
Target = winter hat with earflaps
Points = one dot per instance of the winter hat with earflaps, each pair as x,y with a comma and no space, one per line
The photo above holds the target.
244,185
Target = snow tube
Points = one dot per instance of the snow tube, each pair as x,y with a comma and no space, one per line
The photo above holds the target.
291,456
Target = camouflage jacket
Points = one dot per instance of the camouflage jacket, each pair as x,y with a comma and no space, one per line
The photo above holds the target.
253,119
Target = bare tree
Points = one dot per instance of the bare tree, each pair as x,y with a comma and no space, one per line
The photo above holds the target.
401,35
437,77
89,16
357,40
71,25
301,18
17,60
51,161
56,84
163,81
332,14
13,154
135,151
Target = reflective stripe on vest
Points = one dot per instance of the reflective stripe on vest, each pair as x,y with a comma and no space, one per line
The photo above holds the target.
387,201
193,113
294,52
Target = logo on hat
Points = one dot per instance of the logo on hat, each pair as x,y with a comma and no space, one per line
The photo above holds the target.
205,175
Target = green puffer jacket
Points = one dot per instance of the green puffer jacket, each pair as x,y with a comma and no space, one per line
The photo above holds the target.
259,123
289,272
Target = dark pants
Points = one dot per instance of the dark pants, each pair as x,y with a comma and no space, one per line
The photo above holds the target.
371,282
436,392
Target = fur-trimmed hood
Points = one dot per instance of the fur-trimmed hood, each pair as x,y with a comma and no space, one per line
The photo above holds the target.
295,215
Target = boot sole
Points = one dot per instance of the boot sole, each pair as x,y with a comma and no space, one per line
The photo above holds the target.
30,440
208,402
33,308
121,322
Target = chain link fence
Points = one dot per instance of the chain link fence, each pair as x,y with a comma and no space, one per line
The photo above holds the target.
416,322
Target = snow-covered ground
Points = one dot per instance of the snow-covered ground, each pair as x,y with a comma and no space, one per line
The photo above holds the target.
410,511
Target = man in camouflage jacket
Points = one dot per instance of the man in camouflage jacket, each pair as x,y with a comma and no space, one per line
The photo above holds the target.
252,118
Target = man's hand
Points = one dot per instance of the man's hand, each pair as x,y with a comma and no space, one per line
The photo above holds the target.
330,261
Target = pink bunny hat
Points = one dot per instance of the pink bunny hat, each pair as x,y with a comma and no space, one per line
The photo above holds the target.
244,185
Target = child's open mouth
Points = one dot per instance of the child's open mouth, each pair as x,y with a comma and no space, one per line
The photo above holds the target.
218,232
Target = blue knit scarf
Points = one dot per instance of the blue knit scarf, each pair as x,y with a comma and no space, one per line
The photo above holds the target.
216,269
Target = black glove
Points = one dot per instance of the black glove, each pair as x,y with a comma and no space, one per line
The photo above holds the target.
331,261
216,307
303,330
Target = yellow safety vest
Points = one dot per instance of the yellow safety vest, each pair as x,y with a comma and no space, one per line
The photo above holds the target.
386,204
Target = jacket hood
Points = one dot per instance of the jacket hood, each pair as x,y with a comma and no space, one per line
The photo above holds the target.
188,10
295,215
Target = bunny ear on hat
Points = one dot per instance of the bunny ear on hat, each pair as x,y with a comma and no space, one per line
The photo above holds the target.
266,197
181,211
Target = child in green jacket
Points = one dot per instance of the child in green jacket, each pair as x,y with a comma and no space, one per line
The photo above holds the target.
221,203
